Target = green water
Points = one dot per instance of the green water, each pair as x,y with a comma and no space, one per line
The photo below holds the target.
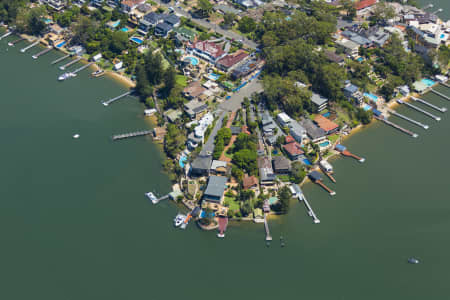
74,222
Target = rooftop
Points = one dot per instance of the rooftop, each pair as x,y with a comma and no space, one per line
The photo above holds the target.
324,123
232,59
249,181
293,149
281,163
216,186
208,47
318,99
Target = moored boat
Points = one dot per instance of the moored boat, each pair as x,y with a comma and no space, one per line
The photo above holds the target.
179,219
152,197
98,73
66,76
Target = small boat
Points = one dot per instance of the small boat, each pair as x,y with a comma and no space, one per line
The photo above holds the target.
186,221
413,260
98,73
282,241
152,197
66,76
75,136
179,219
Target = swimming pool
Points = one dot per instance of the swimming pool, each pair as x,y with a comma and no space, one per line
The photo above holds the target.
324,144
442,36
61,44
360,59
137,40
428,82
192,60
47,21
306,162
371,97
125,29
326,115
213,76
182,161
367,107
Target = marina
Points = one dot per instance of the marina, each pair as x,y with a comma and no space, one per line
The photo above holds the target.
60,59
108,102
440,94
130,135
394,113
419,110
384,120
23,50
441,109
47,50
70,63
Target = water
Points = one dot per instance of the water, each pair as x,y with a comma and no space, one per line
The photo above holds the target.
75,224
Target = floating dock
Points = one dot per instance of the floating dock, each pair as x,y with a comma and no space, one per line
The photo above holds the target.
441,109
301,197
130,135
440,94
83,67
424,126
382,119
420,110
70,63
15,41
266,227
5,35
23,50
60,59
108,102
47,50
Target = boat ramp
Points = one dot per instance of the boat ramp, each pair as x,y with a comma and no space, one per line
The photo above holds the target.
441,109
23,50
130,135
108,102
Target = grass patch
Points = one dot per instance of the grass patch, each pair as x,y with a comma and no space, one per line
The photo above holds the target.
333,138
181,80
284,178
231,203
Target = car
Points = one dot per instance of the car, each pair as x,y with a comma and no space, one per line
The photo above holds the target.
171,9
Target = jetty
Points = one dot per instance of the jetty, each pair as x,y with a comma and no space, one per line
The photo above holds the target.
301,197
440,94
130,135
443,83
5,35
420,110
47,50
71,63
424,126
16,41
343,150
60,59
437,11
23,50
266,227
384,120
223,222
316,177
441,109
108,102
83,67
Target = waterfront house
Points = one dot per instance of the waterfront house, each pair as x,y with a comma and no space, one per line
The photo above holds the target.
97,57
326,124
293,150
56,29
201,165
297,131
315,133
215,189
172,115
230,61
249,182
193,90
266,174
218,167
194,108
319,102
159,133
353,94
281,165
128,5
150,112
207,50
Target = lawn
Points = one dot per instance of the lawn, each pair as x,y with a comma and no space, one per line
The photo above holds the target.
284,178
231,203
181,80
333,138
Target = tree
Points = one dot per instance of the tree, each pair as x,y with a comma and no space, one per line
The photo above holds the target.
349,8
204,7
169,79
174,140
364,116
246,24
228,19
119,42
284,198
224,134
246,160
382,12
298,172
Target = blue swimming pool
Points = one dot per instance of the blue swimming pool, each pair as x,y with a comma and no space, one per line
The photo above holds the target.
125,29
182,161
137,40
360,59
306,162
326,115
367,107
192,60
442,36
428,82
47,21
61,44
371,97
213,76
115,24
324,144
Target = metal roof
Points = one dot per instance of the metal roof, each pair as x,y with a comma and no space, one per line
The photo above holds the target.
216,186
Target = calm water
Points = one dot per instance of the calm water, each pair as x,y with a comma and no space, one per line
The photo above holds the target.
74,223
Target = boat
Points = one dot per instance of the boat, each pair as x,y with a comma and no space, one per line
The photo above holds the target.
152,197
326,166
186,221
75,136
282,241
66,76
179,219
413,260
98,73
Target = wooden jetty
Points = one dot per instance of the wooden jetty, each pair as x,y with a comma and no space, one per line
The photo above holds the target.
60,59
343,150
108,102
223,222
441,109
266,227
316,177
443,83
440,94
23,50
71,63
384,120
394,113
83,67
301,197
130,135
16,41
47,50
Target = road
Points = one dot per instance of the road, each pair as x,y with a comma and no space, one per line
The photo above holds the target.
235,101
208,147
227,33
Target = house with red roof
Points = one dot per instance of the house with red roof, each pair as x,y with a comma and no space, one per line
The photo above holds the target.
207,50
326,124
364,4
293,150
228,62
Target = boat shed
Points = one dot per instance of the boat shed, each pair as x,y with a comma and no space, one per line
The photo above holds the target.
315,175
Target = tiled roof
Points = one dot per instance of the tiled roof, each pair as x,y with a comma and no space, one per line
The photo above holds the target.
364,3
210,48
249,181
293,148
325,123
231,59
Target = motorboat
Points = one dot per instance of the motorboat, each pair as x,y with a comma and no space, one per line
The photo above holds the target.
66,76
413,260
76,136
98,73
179,219
152,197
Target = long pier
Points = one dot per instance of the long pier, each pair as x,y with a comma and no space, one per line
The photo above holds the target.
309,208
440,94
71,63
5,35
15,41
420,110
266,227
60,59
47,50
443,83
108,102
441,109
23,50
437,11
409,119
382,119
130,135
83,67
